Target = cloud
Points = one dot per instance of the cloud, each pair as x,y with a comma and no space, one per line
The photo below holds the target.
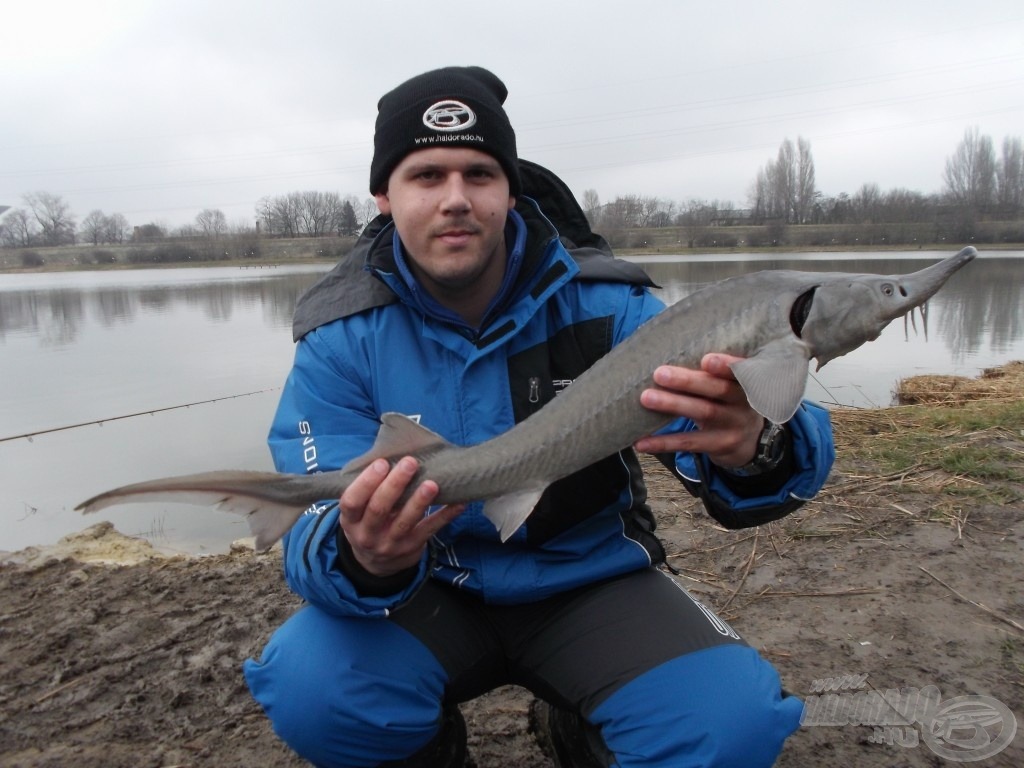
160,110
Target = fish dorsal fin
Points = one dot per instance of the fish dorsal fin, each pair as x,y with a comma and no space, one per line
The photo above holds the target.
775,378
399,436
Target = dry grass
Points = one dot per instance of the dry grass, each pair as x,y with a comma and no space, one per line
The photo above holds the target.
952,424
955,461
1003,383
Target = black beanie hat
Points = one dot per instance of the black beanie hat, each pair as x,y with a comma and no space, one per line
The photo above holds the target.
450,107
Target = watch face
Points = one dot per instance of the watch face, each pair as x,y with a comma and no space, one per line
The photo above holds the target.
773,443
770,446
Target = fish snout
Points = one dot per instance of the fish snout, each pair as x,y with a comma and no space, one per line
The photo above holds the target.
913,290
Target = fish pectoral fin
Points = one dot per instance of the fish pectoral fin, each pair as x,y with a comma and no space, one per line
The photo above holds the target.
510,511
268,520
774,379
398,436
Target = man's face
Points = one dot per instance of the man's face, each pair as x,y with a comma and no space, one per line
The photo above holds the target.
449,206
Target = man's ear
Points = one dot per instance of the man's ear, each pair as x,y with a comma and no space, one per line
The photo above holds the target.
383,203
511,202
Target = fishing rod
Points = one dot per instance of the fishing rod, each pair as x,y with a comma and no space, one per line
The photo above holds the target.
29,435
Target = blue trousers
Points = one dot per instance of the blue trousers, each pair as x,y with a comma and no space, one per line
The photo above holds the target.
667,682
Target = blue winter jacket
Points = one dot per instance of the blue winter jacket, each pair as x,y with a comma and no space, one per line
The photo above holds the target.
392,349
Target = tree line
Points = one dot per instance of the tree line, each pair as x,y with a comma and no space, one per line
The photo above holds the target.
978,184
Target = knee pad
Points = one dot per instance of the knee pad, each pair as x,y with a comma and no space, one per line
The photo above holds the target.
351,692
720,707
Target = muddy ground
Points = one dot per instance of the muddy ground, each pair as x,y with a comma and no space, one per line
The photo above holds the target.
882,576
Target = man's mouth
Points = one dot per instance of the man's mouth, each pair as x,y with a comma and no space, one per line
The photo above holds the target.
455,236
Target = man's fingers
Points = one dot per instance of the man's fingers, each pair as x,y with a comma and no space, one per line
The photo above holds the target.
372,497
355,498
710,398
392,488
438,519
719,365
720,385
414,510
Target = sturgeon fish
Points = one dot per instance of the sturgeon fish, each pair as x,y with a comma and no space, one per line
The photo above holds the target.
775,320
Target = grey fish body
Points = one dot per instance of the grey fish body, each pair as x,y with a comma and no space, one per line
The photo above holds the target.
777,321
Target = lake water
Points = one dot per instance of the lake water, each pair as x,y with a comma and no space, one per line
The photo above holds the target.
96,348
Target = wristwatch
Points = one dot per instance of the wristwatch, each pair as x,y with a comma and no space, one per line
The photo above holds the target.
770,446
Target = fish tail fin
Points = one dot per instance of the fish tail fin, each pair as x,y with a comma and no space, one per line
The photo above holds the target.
268,500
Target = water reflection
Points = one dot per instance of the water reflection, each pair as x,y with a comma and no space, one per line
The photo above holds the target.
92,348
56,315
979,308
82,348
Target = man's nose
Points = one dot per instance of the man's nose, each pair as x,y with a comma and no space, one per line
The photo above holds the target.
455,197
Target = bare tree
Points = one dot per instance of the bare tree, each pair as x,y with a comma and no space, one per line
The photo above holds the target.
369,211
18,229
1010,176
970,174
867,203
212,223
320,212
665,214
696,218
905,205
768,196
649,208
624,212
53,214
279,215
785,188
592,207
806,193
785,181
757,196
311,213
94,227
118,228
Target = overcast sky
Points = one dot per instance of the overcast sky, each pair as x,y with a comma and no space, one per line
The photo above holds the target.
157,110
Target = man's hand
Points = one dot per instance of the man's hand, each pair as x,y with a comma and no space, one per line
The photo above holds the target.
727,427
388,536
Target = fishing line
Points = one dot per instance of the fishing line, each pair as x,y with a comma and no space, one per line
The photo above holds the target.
30,435
827,391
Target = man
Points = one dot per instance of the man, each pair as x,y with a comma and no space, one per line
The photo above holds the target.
461,307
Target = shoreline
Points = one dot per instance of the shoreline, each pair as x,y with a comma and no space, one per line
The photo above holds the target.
904,574
630,253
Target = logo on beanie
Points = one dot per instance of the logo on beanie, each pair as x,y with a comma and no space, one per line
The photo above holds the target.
449,115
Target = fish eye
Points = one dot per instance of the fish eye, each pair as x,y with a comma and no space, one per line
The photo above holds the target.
887,289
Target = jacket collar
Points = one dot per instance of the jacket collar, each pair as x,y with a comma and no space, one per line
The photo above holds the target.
367,276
